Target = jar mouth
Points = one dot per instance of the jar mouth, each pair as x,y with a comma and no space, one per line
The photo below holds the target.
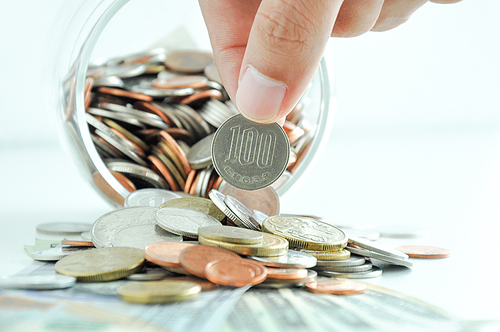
73,111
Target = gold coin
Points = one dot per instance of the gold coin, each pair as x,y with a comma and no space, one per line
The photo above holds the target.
102,264
203,205
306,233
156,292
271,246
170,166
230,234
136,140
336,255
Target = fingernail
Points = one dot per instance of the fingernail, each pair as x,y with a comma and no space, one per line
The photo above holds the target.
258,97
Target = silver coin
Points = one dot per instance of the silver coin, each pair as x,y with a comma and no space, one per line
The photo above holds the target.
137,172
385,258
218,198
62,228
264,200
150,197
202,124
212,73
182,221
124,71
354,260
141,236
350,269
300,144
55,253
37,282
374,272
368,234
284,178
367,244
242,212
128,152
292,259
141,116
250,155
150,274
107,225
178,270
259,216
103,149
200,154
401,231
109,82
116,116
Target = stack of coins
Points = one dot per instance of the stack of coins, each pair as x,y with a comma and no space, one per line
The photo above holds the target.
151,117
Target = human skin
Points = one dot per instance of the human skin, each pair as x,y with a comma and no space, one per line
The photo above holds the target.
267,51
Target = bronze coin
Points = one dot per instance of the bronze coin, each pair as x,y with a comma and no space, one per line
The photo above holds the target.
165,253
336,286
426,252
237,273
195,259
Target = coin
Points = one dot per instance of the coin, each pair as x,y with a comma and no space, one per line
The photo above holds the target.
165,253
106,226
149,197
337,255
306,233
424,251
292,259
156,292
53,254
235,273
336,286
243,213
367,244
203,205
150,274
212,73
38,282
77,243
219,200
249,155
353,260
373,273
194,259
140,236
200,154
385,258
137,173
271,246
230,234
183,221
366,266
62,228
188,61
275,273
102,264
204,283
265,200
259,217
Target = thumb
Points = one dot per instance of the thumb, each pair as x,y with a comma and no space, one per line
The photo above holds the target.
284,48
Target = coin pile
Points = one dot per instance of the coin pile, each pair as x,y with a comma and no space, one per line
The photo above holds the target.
152,116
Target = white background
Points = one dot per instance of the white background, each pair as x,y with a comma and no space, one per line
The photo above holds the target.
415,141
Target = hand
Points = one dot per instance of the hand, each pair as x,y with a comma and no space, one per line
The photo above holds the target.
267,51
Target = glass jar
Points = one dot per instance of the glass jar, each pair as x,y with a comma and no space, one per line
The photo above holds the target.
91,30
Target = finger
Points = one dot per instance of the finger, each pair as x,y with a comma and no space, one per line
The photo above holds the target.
396,12
284,48
229,23
356,17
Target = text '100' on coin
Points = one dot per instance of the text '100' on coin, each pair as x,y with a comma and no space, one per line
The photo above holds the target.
250,155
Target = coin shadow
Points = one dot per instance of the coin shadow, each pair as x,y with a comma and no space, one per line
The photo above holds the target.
391,269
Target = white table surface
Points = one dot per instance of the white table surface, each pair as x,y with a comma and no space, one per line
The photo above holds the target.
416,141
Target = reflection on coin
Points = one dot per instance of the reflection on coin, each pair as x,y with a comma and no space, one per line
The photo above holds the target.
385,258
102,264
61,228
39,282
183,221
112,222
292,259
306,233
243,213
366,266
203,205
424,251
373,273
54,254
230,234
337,255
156,292
271,246
376,247
237,273
264,200
165,253
150,197
200,154
140,236
250,155
336,286
351,261
195,259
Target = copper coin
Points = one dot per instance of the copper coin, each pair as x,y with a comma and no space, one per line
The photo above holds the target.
78,243
217,183
165,253
179,82
424,251
124,181
202,95
274,273
237,273
152,108
137,150
167,151
336,286
181,134
195,259
158,165
192,190
172,144
189,180
126,94
205,284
